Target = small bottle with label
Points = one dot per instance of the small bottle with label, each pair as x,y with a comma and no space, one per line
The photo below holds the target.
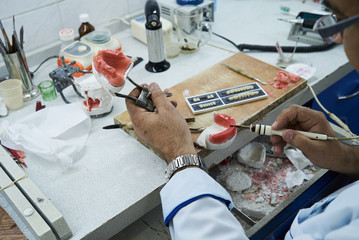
85,27
67,36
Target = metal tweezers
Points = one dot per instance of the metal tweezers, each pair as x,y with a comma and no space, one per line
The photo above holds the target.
144,100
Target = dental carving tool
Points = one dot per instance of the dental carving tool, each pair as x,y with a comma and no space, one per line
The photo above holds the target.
242,72
267,130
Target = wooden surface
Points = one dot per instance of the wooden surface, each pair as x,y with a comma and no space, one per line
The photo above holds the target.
219,77
8,228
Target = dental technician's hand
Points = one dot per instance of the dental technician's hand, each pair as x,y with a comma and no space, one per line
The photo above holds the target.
332,155
165,131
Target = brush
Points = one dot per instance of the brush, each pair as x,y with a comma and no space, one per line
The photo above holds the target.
6,39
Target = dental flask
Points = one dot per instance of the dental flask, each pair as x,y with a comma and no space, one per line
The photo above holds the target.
156,52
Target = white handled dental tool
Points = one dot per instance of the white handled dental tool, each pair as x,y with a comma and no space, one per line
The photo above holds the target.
268,131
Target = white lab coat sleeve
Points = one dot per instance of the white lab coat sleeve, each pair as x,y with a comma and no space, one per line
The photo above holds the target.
195,206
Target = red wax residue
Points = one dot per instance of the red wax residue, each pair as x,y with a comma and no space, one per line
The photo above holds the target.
269,92
282,79
226,161
92,103
21,154
39,106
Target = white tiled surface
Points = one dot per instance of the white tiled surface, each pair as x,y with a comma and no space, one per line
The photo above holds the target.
135,5
43,19
18,7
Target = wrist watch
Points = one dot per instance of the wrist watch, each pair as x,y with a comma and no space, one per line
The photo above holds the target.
182,162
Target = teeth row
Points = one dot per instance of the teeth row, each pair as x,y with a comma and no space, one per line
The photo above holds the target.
240,89
209,96
243,95
205,105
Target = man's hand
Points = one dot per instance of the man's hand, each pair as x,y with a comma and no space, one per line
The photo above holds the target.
332,155
165,130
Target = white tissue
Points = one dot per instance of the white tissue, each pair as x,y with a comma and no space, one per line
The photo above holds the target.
302,70
54,133
297,158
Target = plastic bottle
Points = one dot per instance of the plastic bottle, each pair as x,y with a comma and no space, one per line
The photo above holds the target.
85,27
67,36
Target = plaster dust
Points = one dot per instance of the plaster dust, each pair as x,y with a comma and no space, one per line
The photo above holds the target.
268,184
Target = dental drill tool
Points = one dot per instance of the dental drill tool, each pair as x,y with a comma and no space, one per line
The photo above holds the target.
268,131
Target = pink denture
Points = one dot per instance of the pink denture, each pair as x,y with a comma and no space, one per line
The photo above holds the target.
224,121
112,64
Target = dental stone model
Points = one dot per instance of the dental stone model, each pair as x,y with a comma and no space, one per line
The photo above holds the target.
110,69
98,100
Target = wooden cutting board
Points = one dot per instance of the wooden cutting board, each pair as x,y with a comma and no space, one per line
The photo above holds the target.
220,77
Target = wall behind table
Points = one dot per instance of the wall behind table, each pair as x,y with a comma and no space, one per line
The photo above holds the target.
43,19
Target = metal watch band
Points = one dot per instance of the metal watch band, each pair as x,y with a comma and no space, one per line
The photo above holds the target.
181,162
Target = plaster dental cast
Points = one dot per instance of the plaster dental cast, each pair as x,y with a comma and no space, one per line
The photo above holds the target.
110,68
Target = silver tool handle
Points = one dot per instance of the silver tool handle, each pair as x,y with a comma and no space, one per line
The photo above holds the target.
268,131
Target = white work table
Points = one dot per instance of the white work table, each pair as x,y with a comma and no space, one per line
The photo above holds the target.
116,180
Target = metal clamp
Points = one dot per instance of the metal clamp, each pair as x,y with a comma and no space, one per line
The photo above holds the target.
62,77
144,99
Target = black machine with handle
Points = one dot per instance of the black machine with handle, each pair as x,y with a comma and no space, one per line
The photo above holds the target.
156,53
